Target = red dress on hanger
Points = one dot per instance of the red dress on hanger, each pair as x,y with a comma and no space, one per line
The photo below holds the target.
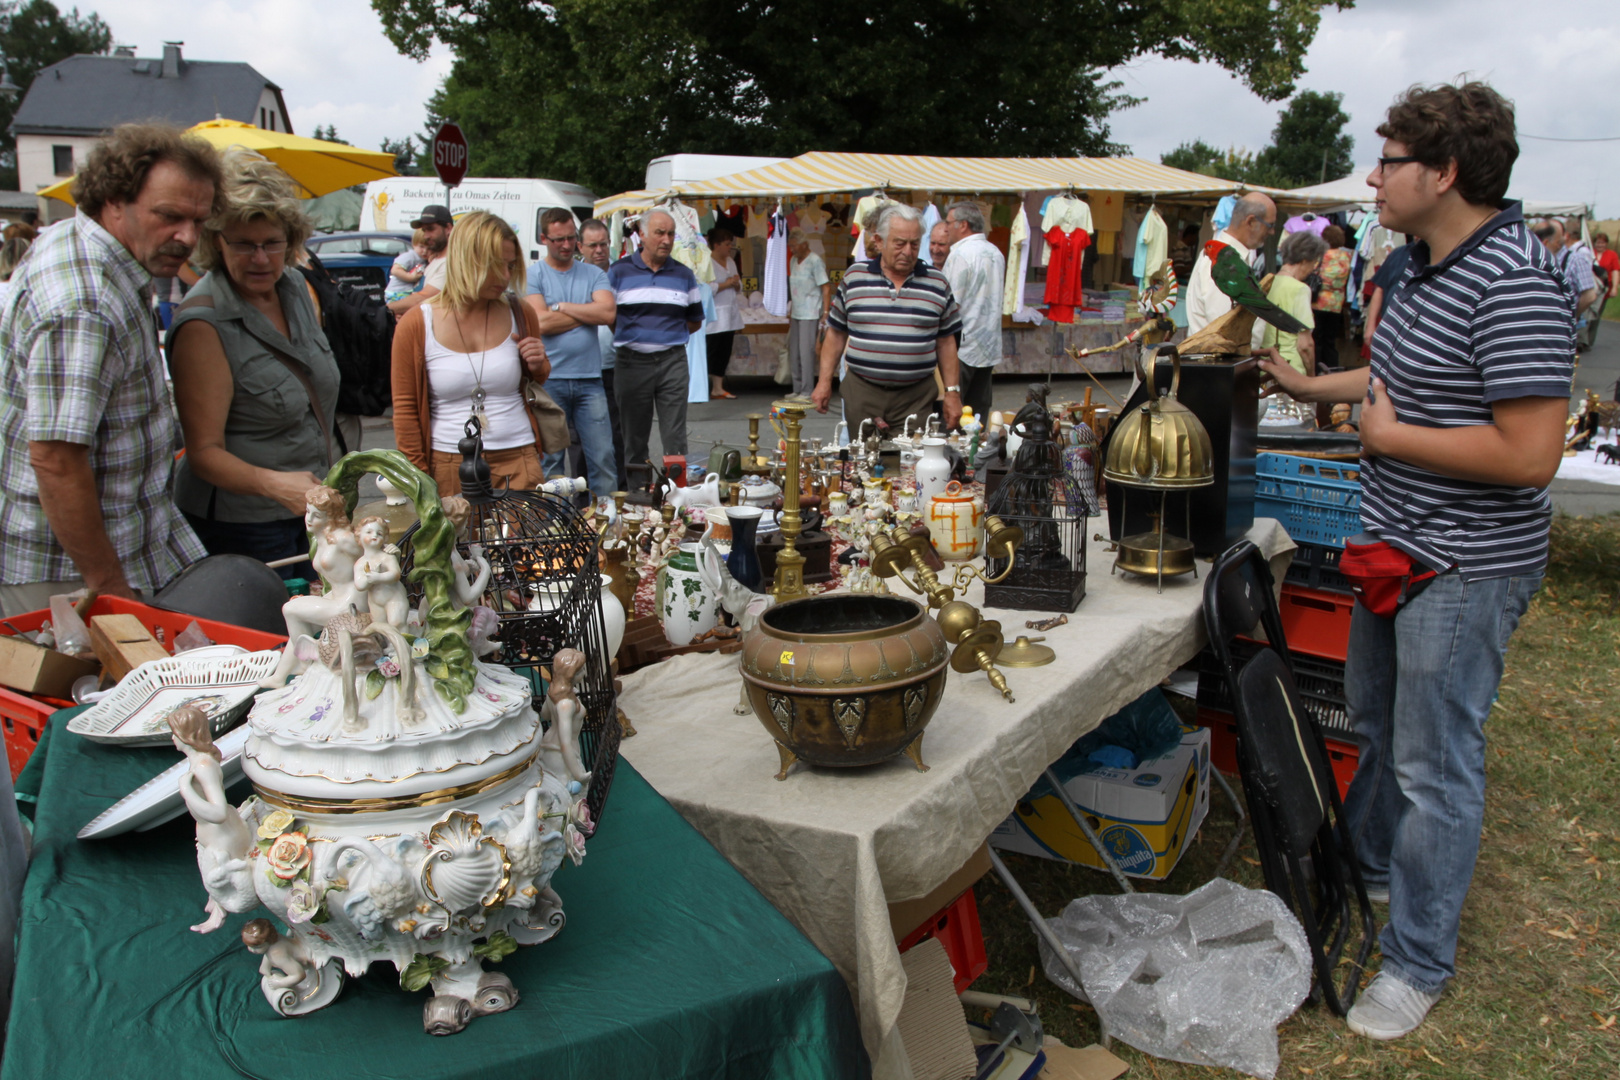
1063,291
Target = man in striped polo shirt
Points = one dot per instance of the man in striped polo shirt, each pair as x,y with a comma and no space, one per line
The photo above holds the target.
659,307
1461,429
898,321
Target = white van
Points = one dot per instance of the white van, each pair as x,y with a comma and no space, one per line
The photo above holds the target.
672,169
392,204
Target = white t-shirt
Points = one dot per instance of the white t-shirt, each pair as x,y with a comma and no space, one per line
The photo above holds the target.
434,275
452,378
726,314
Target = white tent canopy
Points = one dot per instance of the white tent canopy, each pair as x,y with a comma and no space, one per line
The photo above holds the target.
1354,193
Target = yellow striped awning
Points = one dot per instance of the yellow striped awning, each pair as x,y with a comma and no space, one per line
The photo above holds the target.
823,172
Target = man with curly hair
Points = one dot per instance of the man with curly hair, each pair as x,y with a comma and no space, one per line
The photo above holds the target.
82,384
1462,428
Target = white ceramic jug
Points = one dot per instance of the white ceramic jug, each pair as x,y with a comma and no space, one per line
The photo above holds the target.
933,470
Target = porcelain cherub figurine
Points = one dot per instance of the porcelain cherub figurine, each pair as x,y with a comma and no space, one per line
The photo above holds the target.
377,574
472,574
336,551
284,965
559,747
224,842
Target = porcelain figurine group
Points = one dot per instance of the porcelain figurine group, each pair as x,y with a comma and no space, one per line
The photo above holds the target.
406,805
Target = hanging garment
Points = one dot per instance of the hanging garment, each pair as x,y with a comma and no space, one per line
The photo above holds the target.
697,353
1067,213
776,265
1152,241
1064,291
690,249
1223,211
616,236
1306,222
1107,211
930,219
1012,293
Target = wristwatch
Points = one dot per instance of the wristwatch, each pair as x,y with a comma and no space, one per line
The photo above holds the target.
557,306
953,389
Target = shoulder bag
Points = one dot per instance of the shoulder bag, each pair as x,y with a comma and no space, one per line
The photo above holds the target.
548,415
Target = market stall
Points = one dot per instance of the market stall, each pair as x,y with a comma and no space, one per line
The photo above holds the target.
832,848
822,194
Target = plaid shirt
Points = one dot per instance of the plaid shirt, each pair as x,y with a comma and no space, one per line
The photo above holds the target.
79,363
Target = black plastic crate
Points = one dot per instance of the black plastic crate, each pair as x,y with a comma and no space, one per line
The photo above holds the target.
1320,682
1317,567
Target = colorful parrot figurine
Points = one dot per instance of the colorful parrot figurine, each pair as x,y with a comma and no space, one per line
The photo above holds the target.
1234,278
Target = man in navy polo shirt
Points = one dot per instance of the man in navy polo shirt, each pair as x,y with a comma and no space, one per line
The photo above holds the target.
660,306
1462,429
573,298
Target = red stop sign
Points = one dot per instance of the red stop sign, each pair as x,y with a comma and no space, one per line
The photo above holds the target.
450,154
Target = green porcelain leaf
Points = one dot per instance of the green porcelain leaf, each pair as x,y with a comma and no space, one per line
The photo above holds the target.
420,971
499,946
374,683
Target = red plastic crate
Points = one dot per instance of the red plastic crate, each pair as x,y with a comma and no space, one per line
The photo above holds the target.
23,717
1316,621
957,928
1344,756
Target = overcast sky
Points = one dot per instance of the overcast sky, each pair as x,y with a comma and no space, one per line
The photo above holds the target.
1554,58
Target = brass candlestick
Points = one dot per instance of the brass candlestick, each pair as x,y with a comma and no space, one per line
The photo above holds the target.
751,464
788,583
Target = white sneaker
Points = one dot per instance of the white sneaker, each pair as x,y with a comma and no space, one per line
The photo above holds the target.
1378,894
1388,1009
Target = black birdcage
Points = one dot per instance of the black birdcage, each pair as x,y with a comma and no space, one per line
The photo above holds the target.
545,590
1040,497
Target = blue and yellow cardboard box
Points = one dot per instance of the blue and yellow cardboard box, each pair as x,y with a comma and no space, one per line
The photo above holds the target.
1145,815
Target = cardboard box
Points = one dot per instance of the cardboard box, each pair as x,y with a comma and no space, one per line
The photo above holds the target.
36,670
1146,815
906,915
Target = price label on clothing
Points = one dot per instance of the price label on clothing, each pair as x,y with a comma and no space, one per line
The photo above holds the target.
835,276
750,284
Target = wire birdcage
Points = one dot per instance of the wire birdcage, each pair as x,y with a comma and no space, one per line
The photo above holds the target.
545,591
1040,497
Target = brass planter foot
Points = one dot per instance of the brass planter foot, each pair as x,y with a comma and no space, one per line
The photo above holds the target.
788,758
914,752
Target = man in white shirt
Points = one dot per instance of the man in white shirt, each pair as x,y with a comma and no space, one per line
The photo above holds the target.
1253,219
977,272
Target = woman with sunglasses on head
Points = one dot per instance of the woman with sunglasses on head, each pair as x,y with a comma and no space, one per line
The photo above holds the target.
463,354
255,383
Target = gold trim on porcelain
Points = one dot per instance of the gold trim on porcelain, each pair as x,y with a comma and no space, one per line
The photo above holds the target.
300,805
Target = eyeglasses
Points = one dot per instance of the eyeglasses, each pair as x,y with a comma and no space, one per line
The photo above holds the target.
271,248
1386,162
569,239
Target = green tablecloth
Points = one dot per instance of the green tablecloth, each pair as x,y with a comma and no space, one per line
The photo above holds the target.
670,965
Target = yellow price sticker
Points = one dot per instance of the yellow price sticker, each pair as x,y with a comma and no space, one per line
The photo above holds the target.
787,657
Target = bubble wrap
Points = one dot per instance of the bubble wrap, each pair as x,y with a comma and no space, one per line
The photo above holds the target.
1203,978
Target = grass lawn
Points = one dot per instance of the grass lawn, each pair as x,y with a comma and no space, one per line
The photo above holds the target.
1538,985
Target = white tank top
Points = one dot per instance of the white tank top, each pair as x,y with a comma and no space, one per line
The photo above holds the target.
452,378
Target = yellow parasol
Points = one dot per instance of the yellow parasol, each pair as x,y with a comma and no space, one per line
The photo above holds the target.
315,165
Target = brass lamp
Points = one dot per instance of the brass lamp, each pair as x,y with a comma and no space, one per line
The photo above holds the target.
1160,448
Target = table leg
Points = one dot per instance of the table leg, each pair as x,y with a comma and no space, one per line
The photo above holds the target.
1088,832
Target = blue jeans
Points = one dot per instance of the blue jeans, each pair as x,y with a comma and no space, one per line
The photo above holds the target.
1420,687
586,404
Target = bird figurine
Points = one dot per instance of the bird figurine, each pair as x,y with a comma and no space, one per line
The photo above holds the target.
1236,279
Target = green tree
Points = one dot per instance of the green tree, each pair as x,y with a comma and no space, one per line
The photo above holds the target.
36,35
1199,157
327,134
590,90
1309,144
404,151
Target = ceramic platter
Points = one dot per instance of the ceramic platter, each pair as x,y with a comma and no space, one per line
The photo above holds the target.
158,800
136,711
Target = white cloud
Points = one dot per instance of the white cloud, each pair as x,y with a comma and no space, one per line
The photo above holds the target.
1556,65
331,60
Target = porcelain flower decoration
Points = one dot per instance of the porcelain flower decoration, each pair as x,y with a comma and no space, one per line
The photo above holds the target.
288,855
274,824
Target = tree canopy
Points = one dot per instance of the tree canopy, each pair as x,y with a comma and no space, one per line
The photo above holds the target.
1308,146
36,35
591,90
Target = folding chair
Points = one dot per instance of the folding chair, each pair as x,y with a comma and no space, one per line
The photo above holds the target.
1306,852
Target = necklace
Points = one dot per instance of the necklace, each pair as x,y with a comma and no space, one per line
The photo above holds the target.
478,394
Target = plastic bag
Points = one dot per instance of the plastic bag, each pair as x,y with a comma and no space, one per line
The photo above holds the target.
192,637
1145,729
1203,978
72,636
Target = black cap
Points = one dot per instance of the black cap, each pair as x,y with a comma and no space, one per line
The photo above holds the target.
434,215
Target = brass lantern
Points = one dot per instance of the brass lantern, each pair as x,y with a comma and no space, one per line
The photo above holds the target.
1160,448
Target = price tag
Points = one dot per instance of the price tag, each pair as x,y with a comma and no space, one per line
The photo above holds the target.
787,658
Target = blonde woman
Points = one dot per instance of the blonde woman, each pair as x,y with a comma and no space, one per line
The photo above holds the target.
464,353
255,383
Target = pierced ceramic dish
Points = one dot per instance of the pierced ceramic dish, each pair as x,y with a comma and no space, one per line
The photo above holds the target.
158,800
136,711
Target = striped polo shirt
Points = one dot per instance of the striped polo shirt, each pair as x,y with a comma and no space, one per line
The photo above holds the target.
892,332
654,305
1492,322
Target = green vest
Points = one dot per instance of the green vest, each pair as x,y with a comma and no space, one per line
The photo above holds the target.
270,423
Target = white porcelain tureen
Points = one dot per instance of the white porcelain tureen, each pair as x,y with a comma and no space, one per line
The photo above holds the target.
406,806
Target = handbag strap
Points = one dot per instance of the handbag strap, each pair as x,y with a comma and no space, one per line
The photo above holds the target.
298,372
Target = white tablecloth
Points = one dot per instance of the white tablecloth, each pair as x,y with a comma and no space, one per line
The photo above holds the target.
832,848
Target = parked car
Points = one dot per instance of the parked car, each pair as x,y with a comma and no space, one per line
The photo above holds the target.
361,259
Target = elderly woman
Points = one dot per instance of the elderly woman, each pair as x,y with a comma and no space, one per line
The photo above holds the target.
1329,303
463,354
255,384
722,330
810,294
1301,253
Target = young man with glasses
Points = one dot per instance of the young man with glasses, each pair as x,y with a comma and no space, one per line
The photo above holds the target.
1253,218
573,298
1462,425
